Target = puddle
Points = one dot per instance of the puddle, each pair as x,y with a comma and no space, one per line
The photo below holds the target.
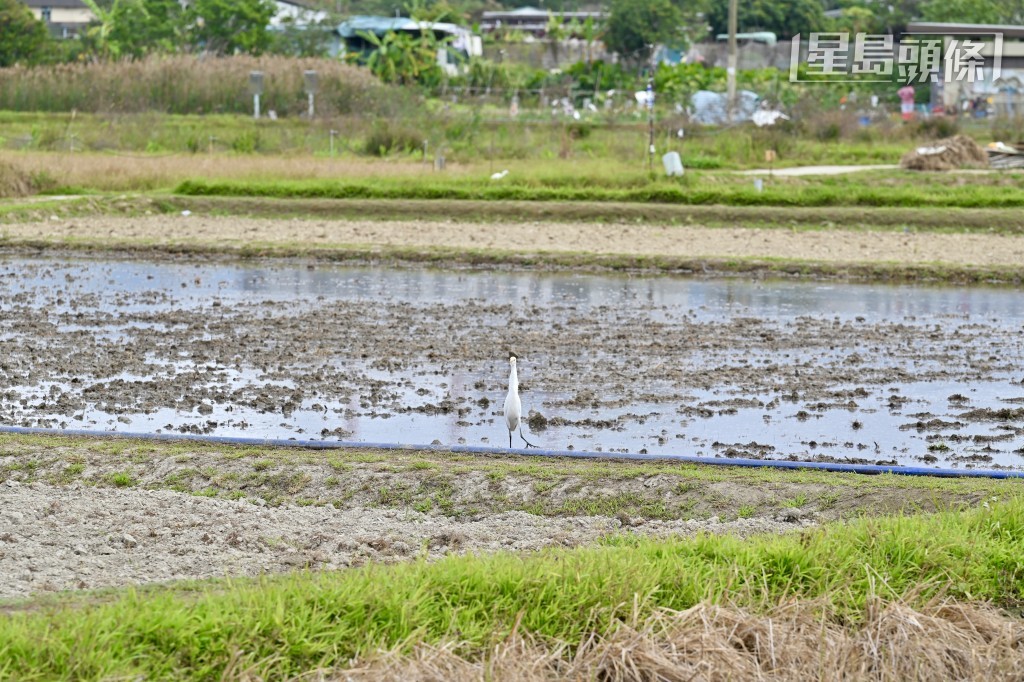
731,367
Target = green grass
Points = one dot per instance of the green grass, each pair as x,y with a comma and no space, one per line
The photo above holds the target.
287,625
121,479
894,190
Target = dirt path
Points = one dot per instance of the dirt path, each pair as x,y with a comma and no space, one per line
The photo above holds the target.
835,246
798,171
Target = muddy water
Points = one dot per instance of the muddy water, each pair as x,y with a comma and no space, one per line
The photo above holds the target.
911,375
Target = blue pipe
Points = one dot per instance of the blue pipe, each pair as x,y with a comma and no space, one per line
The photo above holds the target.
870,469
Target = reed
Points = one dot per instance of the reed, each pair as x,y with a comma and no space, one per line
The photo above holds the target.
189,84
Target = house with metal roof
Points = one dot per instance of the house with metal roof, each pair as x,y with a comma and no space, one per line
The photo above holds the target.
461,41
64,18
1000,78
532,20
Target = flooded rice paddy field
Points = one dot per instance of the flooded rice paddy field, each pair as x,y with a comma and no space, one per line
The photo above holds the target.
714,367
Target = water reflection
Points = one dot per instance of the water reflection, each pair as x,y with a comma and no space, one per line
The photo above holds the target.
121,288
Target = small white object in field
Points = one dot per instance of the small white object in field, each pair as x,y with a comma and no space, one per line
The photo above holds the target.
499,176
186,213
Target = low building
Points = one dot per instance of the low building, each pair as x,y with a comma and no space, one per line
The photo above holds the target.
296,13
64,18
1002,46
461,41
533,21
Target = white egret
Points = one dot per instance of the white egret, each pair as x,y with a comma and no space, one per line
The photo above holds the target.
499,176
513,406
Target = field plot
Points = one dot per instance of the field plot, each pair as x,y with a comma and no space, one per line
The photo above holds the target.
125,558
904,375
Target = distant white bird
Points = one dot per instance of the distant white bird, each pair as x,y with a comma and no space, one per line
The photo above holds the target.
513,406
499,176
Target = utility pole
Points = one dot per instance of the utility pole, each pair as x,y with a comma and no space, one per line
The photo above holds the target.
650,124
730,72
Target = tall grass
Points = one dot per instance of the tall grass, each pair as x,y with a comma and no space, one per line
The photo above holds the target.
291,624
187,84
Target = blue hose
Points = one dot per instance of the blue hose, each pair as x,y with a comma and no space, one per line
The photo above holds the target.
871,469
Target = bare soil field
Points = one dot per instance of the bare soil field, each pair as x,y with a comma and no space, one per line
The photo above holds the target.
90,513
833,246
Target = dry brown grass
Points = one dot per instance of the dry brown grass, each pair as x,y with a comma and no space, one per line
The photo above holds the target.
191,84
795,642
120,172
15,180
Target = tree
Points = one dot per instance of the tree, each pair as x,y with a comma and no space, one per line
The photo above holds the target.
784,18
133,28
636,26
887,17
142,27
230,26
23,38
974,11
310,40
401,57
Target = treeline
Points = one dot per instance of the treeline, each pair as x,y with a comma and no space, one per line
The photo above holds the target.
135,29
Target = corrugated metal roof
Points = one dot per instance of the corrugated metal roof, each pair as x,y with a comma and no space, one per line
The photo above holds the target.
378,25
381,25
939,28
64,4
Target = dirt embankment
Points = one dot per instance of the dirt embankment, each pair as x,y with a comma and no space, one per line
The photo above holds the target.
833,246
86,513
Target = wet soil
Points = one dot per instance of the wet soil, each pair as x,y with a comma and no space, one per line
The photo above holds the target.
309,352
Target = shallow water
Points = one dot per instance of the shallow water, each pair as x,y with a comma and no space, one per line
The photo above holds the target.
614,363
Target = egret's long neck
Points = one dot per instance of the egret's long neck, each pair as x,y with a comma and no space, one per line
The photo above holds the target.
513,380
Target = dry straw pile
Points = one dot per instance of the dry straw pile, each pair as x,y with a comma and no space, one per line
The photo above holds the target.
950,153
793,643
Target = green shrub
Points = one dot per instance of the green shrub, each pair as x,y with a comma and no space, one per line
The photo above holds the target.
386,138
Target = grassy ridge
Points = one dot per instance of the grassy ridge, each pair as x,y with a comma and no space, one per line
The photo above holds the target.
295,623
848,193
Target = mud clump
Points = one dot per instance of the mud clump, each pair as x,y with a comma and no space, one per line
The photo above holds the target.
537,422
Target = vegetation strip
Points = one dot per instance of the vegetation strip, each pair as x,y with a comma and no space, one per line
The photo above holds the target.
992,221
425,481
292,624
832,193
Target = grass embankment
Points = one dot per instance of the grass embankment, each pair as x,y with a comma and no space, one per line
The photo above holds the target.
462,486
285,626
932,219
875,190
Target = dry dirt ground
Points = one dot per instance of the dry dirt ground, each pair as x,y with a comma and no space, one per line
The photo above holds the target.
835,246
90,513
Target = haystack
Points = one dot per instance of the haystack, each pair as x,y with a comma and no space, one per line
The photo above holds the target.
950,153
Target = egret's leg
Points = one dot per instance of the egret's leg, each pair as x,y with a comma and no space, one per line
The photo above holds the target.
509,440
528,443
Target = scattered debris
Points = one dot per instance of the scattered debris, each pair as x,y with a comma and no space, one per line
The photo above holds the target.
1002,155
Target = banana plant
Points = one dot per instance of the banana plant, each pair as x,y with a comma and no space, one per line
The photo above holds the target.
102,30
